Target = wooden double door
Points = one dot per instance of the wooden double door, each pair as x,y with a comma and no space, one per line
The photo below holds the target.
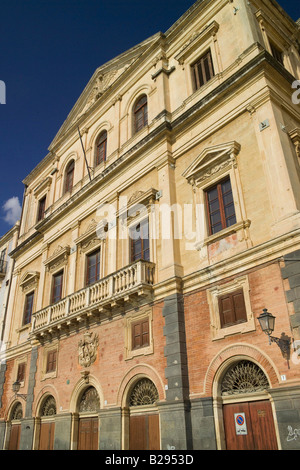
46,441
14,438
249,426
88,434
144,432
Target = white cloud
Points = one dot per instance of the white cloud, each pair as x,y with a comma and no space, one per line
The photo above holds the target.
13,209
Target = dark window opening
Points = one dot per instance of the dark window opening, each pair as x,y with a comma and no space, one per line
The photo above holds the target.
220,206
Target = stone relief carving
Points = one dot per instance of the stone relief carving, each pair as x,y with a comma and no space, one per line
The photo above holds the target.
87,349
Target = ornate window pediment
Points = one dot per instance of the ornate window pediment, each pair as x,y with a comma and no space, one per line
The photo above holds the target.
58,258
195,40
211,161
90,238
29,280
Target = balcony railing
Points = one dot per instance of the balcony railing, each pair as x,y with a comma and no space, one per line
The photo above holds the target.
116,290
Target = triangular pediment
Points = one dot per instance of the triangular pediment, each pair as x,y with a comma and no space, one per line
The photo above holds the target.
102,80
29,280
211,159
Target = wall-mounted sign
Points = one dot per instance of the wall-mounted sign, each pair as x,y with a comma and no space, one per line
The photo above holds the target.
240,424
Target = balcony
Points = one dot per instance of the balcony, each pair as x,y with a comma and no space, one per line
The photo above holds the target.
3,267
112,294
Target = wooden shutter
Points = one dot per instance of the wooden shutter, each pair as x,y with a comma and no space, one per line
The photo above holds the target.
232,308
140,334
51,361
21,372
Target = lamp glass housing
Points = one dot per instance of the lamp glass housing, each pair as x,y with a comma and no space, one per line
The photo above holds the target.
16,386
267,322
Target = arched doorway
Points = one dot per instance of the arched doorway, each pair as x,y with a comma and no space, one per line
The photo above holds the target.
47,424
144,431
15,426
88,426
247,413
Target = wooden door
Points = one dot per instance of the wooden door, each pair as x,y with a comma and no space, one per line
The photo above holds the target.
14,440
258,431
88,434
144,432
46,441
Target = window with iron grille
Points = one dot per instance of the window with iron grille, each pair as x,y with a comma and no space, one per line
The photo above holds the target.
101,148
202,70
220,206
140,113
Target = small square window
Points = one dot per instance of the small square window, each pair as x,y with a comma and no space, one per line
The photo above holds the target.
140,334
232,309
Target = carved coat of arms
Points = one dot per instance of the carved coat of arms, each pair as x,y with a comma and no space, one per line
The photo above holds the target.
87,349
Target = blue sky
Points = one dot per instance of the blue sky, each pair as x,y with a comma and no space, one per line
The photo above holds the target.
48,52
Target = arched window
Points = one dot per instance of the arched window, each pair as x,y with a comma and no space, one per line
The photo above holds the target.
140,114
49,406
69,177
143,393
101,148
243,377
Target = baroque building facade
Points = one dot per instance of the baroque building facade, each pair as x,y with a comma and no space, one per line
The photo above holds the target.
161,224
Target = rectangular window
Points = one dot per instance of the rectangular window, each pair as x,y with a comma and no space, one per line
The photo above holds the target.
139,237
2,261
28,308
21,372
276,53
93,267
51,361
140,334
203,70
57,287
41,209
232,309
220,206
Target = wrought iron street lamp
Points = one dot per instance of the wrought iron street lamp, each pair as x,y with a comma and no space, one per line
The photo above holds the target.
267,324
16,387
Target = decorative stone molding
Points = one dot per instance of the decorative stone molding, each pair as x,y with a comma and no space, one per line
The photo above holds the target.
58,259
295,138
42,187
87,349
194,41
90,238
213,295
138,198
211,161
29,281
